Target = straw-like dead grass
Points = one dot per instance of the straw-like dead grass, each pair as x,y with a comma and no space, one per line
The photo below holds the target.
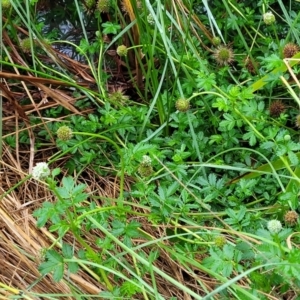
21,242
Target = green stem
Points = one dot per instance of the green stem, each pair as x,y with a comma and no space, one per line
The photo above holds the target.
122,175
96,258
289,168
250,124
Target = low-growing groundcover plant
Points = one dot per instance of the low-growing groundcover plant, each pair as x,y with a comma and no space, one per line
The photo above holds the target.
157,151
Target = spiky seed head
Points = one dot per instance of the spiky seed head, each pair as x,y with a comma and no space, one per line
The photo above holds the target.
223,55
118,96
290,49
89,3
122,50
276,108
297,122
216,41
5,4
145,171
103,6
145,168
220,241
274,226
269,18
64,133
25,45
291,218
89,6
182,105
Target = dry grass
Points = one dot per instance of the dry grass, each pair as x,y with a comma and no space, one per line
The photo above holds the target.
22,244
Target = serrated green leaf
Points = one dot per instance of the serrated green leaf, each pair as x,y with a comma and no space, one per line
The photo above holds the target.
68,183
58,273
79,188
293,158
52,255
228,251
162,192
227,268
73,267
222,104
47,267
132,229
229,121
172,188
251,137
63,192
267,145
44,213
241,213
79,198
212,178
261,82
53,264
67,250
118,228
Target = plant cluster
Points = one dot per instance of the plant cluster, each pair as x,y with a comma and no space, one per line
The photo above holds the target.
200,115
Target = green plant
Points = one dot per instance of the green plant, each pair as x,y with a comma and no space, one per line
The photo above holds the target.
191,112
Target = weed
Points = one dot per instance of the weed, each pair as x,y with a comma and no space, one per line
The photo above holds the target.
190,111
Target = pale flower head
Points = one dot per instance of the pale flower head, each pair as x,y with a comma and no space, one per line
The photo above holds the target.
64,133
41,171
146,161
145,169
122,50
274,226
150,19
269,18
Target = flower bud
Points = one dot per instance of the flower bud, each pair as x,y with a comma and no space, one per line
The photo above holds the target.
274,226
269,18
146,161
216,41
182,105
64,133
220,241
6,5
40,171
122,50
104,6
150,19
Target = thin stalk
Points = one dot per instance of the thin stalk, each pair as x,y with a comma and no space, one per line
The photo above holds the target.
122,173
15,291
96,257
144,261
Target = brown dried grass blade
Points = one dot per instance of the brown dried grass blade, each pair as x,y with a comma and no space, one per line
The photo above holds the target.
6,93
60,97
34,80
136,38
